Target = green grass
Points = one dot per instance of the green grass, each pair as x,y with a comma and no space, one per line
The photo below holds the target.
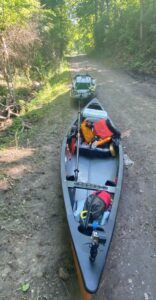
56,85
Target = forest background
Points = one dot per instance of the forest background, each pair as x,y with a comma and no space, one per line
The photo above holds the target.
36,35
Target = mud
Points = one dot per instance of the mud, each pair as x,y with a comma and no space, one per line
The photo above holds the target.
34,239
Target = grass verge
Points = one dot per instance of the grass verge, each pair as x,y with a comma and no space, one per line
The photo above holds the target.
27,124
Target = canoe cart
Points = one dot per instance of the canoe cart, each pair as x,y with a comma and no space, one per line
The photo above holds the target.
83,87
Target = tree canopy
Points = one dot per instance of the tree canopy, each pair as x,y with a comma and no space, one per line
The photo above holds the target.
122,28
35,34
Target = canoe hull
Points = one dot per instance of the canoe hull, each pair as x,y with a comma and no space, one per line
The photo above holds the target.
90,272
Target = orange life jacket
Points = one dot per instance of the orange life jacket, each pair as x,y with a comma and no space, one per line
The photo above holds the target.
88,134
101,129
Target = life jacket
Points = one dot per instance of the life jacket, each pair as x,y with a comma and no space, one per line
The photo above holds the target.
101,129
87,132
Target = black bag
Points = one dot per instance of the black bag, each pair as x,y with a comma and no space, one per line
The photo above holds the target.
95,207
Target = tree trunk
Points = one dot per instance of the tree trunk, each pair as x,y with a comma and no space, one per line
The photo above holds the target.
107,5
141,20
102,7
96,10
7,72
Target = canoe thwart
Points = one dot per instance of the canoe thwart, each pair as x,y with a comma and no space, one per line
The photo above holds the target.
90,186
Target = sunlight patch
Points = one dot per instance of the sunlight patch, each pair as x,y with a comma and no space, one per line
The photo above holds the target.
4,185
5,124
17,171
14,154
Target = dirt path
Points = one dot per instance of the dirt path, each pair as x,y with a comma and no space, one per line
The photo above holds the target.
33,223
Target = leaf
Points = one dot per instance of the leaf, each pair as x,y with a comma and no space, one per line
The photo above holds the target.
25,287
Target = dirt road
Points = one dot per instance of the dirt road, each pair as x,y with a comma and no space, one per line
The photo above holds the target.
34,238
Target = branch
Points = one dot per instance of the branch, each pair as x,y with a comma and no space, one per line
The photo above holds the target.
3,118
25,126
11,113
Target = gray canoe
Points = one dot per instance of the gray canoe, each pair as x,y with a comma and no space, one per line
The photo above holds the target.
97,169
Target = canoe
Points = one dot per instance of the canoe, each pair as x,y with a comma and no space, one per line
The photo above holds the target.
87,171
83,87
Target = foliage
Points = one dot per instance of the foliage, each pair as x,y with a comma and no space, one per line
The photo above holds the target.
56,86
25,287
24,23
13,12
34,36
124,29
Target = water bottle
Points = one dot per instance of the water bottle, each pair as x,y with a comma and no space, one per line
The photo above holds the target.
105,217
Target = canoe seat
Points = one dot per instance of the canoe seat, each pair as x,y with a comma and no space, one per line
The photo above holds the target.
85,149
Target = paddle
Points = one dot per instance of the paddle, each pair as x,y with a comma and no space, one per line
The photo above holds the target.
78,145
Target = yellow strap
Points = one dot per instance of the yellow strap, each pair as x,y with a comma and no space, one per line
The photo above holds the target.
83,214
112,150
103,141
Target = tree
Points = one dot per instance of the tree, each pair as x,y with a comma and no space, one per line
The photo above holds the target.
141,20
15,14
120,28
